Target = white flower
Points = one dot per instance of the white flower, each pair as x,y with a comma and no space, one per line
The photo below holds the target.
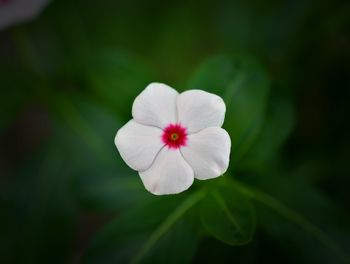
174,138
15,11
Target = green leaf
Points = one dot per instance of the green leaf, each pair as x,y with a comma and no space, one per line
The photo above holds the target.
39,217
110,192
308,220
116,78
244,86
102,182
162,231
277,126
228,215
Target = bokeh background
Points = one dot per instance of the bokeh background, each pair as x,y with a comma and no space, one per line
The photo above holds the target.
68,77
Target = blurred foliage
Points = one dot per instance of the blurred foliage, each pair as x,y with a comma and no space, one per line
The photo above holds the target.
228,215
244,87
68,80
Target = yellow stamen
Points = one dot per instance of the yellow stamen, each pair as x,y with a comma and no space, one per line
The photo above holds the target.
174,136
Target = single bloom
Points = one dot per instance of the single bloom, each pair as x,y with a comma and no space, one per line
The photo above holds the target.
174,138
16,11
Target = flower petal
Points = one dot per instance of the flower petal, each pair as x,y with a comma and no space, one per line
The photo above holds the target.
156,106
199,109
169,173
208,152
138,144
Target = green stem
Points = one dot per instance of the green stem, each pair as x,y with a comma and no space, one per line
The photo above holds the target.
295,217
168,223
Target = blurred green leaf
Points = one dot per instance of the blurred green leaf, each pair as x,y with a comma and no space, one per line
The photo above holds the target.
116,78
228,215
316,227
277,126
162,231
102,181
87,130
244,85
42,215
110,192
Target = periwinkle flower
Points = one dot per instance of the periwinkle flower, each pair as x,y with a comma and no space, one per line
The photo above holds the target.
174,138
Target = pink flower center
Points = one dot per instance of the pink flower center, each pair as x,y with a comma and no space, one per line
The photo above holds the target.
174,136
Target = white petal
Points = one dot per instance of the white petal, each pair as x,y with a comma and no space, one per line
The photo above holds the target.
208,152
156,106
138,144
169,173
198,109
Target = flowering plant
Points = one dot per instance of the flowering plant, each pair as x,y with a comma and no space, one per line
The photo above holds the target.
175,138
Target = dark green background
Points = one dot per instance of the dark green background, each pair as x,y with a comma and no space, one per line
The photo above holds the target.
68,80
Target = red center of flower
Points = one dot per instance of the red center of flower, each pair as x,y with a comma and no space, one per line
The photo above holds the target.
174,136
